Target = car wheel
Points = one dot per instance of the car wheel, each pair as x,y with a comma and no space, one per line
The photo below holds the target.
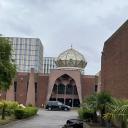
49,108
65,109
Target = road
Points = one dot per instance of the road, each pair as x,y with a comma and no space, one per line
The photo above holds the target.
44,119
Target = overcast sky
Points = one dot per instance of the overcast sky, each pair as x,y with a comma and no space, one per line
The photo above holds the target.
85,24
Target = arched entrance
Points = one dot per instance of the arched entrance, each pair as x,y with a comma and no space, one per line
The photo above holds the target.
65,91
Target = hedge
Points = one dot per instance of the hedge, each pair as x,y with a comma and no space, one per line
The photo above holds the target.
84,114
21,113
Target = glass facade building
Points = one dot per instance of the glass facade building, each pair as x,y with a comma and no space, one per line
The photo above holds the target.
27,53
48,64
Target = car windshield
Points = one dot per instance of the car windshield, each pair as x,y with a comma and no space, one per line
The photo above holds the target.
59,103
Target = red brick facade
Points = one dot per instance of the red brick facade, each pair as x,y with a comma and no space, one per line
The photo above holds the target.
21,88
114,68
85,86
42,89
88,85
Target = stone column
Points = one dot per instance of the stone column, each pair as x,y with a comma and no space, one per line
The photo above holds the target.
31,89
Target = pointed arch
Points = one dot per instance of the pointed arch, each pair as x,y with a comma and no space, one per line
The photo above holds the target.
74,79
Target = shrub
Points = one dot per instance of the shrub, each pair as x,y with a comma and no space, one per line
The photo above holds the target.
84,114
7,107
21,113
30,105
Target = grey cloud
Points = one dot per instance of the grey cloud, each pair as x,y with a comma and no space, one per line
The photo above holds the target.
85,24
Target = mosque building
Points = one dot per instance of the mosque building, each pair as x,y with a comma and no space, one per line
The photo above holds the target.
66,83
62,78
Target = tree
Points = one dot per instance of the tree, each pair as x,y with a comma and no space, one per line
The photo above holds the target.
90,104
98,103
103,99
7,66
118,111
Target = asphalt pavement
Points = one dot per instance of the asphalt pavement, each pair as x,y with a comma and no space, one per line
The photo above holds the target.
44,119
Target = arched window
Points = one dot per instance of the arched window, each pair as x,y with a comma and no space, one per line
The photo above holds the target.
55,89
61,88
75,90
69,89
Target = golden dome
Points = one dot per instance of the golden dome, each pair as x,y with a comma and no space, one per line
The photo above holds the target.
71,58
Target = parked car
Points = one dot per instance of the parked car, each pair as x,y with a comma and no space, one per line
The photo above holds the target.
56,105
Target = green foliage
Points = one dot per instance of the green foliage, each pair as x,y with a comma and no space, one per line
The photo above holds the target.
118,111
7,107
97,102
3,106
90,103
85,114
110,109
5,49
103,99
21,113
12,105
30,105
7,66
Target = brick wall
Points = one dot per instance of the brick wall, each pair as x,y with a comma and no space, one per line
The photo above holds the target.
21,93
114,63
88,85
42,89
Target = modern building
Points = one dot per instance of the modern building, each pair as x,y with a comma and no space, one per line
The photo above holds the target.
27,53
48,64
